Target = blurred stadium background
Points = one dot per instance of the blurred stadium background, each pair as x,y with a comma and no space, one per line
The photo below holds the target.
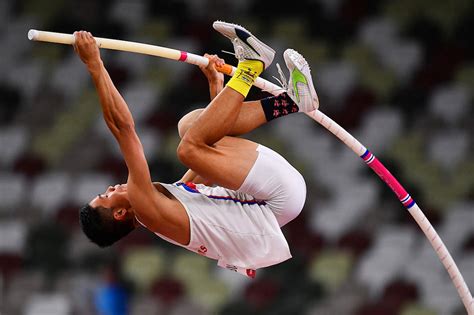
399,75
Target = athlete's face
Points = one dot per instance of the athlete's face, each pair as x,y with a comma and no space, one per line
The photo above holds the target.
115,198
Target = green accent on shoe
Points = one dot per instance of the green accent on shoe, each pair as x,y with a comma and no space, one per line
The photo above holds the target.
297,76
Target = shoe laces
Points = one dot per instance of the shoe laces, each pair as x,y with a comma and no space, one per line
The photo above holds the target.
228,52
239,50
239,53
282,81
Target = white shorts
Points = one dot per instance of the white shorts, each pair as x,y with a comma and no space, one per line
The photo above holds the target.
242,229
277,182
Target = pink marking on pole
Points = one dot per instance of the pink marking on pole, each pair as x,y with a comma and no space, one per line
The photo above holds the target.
184,56
388,178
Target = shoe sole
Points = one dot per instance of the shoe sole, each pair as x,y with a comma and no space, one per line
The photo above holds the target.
300,62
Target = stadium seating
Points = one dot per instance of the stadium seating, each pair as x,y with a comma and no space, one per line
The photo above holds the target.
398,75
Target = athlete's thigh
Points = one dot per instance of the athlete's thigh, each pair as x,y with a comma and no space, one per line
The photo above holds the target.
228,162
251,116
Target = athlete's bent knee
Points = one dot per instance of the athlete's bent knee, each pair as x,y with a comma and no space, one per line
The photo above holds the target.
187,152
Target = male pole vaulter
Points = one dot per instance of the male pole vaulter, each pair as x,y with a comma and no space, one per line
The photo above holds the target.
255,191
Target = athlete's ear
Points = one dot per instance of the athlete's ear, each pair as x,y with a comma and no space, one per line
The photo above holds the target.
120,214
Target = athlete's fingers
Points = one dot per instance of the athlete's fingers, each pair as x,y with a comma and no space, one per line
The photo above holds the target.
219,61
215,60
86,47
75,41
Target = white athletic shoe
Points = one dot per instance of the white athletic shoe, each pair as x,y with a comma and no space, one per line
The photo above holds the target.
300,85
246,46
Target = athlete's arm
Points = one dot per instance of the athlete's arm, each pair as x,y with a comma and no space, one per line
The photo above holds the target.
142,194
214,77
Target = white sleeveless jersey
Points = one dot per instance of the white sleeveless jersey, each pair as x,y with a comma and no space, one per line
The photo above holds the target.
234,228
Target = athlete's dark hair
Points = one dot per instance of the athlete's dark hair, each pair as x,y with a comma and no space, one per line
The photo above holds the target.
100,227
